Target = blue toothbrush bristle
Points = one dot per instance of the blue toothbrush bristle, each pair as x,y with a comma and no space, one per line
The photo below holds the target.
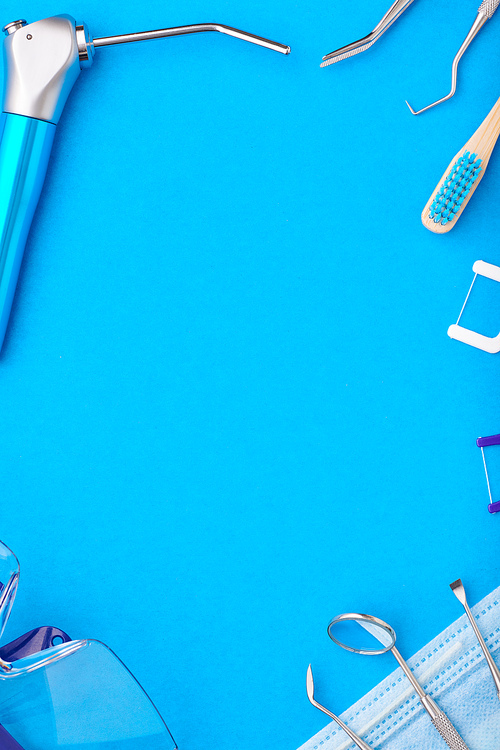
455,188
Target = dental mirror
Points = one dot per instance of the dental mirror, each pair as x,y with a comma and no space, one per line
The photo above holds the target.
365,634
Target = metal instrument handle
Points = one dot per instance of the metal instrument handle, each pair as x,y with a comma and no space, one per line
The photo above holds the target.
358,741
25,146
488,7
393,14
448,732
495,673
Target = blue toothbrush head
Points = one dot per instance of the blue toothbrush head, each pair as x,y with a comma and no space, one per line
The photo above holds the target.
454,190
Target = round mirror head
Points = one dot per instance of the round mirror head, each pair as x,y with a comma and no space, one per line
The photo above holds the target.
363,634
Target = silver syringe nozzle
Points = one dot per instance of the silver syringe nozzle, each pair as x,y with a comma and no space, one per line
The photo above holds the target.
142,36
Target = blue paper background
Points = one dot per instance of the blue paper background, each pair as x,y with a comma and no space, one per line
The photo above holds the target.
230,409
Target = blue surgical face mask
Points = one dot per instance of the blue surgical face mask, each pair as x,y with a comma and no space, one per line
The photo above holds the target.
452,668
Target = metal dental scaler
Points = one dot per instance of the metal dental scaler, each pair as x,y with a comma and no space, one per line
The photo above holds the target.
42,62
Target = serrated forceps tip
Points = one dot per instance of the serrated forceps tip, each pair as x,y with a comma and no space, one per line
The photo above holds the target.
363,44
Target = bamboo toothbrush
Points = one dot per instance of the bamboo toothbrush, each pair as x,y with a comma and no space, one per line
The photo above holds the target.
457,185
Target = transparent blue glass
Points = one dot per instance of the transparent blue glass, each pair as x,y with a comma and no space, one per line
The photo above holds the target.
74,695
9,577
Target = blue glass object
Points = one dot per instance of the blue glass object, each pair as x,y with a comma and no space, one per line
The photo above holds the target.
79,694
76,693
36,640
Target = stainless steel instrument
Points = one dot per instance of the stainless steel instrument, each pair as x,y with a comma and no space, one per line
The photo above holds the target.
365,634
310,694
484,13
458,589
363,44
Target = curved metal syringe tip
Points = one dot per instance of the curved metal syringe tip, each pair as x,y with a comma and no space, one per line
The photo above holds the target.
477,25
142,36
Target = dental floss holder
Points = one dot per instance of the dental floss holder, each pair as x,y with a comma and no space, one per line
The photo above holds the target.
490,344
484,442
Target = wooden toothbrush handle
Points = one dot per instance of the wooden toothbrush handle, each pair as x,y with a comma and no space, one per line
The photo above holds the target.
483,141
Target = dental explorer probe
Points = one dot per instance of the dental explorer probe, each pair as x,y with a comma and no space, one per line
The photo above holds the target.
458,589
484,13
310,694
42,62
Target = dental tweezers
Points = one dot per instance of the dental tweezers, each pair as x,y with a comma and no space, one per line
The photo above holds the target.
361,45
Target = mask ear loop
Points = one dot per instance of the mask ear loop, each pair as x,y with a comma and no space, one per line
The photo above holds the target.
472,338
482,443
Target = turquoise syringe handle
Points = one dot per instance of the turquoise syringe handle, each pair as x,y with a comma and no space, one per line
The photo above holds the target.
25,146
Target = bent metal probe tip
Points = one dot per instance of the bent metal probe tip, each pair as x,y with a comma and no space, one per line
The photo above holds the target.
485,12
42,62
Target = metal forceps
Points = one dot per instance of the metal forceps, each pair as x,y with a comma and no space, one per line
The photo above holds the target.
363,44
